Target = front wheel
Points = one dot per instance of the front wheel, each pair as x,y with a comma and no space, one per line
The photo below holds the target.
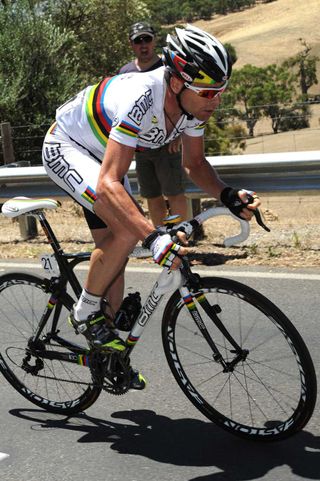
53,384
271,391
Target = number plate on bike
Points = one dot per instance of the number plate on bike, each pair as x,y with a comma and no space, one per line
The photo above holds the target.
50,264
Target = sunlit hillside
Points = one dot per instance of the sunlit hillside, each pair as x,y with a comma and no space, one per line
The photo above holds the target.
269,33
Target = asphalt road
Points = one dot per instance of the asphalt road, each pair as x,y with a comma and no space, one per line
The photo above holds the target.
157,434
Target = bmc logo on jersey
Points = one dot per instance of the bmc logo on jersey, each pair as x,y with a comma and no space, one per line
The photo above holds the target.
141,106
154,136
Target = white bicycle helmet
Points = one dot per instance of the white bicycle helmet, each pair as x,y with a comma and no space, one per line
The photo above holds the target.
197,56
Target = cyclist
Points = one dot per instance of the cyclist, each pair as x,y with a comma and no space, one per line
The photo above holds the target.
88,151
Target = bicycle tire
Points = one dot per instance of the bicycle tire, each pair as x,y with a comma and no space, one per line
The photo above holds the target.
269,396
59,387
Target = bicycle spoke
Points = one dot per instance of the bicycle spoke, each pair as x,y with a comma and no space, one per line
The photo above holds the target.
263,378
52,383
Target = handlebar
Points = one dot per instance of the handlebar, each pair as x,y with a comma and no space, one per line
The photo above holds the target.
173,224
207,214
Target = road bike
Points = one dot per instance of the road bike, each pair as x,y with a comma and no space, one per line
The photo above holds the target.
235,355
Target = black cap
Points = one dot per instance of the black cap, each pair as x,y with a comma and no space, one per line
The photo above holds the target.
141,28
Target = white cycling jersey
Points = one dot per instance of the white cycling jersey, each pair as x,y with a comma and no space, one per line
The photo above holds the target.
128,108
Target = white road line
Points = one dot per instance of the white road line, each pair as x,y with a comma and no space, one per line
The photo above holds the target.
19,265
3,456
225,273
203,271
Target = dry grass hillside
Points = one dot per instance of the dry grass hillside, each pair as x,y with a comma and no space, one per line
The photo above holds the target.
269,33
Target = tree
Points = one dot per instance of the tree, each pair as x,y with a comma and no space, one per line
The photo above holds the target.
246,85
306,65
100,28
37,71
297,117
224,135
232,52
224,141
197,9
278,93
165,12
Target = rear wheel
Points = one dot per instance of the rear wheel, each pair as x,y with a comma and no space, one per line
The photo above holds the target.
271,391
52,384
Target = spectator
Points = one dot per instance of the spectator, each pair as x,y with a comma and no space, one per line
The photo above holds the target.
160,174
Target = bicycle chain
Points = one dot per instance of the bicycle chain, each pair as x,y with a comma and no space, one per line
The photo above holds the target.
111,373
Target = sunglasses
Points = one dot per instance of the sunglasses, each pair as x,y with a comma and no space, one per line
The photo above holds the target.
207,93
144,39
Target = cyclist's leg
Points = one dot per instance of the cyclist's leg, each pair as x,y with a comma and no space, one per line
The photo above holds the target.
114,295
73,168
115,291
76,171
100,232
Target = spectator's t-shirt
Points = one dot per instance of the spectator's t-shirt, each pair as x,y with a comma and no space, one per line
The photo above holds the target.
132,67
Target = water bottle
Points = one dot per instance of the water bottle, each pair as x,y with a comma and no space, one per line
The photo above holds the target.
128,312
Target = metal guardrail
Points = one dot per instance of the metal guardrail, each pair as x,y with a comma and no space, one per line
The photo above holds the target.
279,172
272,173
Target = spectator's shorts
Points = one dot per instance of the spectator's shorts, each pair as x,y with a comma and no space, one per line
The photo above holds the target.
160,172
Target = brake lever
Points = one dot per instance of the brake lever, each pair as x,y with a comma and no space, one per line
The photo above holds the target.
258,215
259,220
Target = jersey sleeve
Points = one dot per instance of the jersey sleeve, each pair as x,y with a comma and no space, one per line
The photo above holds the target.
195,128
132,116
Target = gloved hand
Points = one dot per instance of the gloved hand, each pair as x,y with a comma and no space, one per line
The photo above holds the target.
230,198
163,249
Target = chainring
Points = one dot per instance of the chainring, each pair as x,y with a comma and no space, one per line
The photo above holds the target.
111,372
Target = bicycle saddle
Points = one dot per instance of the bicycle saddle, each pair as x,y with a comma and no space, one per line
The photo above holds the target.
21,205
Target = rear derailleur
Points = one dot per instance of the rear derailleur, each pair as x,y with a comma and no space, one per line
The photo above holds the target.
32,363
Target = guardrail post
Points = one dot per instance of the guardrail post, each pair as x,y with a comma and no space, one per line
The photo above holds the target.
7,145
28,227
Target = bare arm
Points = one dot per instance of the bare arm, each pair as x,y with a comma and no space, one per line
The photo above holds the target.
114,205
198,168
205,176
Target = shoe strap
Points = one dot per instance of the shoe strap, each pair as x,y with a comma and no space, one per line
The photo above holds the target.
83,326
96,320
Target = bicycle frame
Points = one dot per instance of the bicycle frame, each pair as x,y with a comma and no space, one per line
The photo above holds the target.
263,390
167,281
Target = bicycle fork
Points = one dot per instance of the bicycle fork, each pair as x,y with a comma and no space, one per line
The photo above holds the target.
212,312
